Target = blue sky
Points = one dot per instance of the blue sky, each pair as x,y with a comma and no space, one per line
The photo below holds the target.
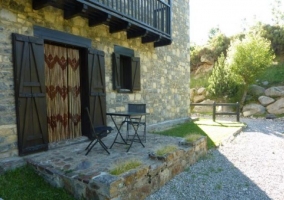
228,15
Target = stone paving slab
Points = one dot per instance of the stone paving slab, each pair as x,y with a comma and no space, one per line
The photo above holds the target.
72,161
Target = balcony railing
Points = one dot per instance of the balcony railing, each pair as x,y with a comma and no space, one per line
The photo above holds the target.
155,14
148,19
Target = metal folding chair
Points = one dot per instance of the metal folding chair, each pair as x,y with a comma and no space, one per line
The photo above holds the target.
97,134
137,121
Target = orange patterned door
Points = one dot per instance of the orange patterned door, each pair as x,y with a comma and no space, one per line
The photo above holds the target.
62,71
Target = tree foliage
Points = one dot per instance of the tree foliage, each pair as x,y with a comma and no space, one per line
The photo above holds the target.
277,13
276,35
222,82
219,44
248,57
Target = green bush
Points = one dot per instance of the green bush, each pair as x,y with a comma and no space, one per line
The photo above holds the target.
219,44
273,33
222,82
248,58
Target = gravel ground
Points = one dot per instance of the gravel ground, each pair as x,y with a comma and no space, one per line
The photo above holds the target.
250,167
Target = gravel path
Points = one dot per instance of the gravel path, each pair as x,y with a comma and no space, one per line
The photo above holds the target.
250,167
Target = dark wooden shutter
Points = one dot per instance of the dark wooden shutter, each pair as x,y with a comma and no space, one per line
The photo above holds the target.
30,94
97,95
135,72
116,71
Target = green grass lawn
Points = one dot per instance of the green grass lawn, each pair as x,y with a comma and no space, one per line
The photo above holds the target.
23,183
216,132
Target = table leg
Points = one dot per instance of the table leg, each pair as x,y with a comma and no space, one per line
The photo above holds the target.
118,133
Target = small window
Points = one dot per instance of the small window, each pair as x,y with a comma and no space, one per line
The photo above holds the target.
126,70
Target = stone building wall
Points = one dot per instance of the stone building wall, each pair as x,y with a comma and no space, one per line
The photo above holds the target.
164,70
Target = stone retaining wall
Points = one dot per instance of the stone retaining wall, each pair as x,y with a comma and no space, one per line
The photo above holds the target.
134,184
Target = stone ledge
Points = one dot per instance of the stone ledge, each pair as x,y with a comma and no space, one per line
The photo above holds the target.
11,163
134,184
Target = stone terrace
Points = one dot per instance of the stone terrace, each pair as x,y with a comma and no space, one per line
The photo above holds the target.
65,165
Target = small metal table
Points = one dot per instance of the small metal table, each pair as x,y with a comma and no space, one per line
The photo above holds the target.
127,116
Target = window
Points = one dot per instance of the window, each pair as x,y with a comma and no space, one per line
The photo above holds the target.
126,70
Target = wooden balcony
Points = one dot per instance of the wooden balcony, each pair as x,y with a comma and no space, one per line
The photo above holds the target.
148,19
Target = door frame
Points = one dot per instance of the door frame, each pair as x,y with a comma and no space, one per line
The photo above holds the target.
82,44
85,52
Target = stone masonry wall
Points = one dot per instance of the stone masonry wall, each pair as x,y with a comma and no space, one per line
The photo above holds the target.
164,71
134,184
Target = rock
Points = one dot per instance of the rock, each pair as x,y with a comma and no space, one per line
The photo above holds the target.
256,90
198,98
207,59
253,109
203,69
277,107
225,108
248,98
204,109
11,163
201,91
270,116
192,93
264,100
265,83
275,91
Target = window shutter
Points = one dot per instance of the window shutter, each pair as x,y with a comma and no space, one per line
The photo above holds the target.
97,96
30,94
135,72
116,72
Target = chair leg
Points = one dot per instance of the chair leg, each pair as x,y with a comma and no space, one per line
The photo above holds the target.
91,147
104,146
97,141
145,133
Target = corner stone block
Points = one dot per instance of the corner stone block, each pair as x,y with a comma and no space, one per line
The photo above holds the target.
104,184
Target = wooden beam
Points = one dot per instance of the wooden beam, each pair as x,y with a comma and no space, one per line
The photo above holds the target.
162,43
38,4
123,26
148,39
102,19
136,34
76,11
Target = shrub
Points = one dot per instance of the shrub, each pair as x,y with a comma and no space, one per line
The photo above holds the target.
247,58
222,81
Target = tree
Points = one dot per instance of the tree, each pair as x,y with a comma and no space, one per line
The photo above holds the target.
221,82
219,44
213,32
277,13
248,57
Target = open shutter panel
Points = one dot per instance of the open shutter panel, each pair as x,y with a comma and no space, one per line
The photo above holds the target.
30,94
97,96
116,72
135,72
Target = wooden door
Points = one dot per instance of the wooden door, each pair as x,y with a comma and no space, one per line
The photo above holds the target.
30,95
